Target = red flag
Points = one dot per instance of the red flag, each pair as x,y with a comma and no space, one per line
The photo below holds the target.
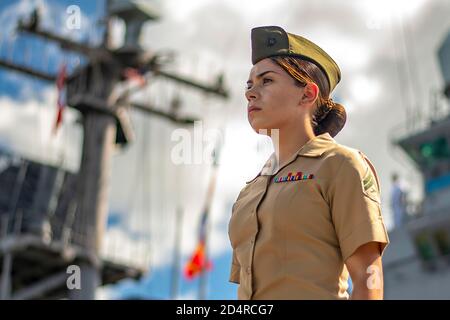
135,75
60,83
197,263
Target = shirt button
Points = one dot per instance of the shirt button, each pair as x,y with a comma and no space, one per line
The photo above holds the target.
249,270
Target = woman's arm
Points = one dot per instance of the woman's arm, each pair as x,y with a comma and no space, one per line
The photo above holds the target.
366,271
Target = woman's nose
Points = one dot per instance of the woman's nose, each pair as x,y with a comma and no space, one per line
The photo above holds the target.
250,94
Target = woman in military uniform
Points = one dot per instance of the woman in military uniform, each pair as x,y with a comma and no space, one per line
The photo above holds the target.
311,217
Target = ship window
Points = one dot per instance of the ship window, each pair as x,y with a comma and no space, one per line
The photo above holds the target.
435,150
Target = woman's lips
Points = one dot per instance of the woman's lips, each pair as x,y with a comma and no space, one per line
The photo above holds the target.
253,108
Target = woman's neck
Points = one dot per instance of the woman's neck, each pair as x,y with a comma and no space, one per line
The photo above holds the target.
289,140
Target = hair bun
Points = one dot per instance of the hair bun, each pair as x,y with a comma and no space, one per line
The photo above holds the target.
332,118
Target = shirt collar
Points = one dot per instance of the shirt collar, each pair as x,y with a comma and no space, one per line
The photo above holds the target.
315,147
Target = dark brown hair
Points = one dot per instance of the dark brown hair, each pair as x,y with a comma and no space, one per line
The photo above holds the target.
328,116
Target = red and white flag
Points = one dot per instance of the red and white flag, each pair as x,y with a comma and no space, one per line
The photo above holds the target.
61,103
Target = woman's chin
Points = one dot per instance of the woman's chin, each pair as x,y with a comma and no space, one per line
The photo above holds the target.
259,127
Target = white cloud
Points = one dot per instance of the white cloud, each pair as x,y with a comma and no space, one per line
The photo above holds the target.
351,55
28,130
120,247
364,90
381,10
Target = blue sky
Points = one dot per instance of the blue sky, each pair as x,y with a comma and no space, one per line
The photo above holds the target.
11,84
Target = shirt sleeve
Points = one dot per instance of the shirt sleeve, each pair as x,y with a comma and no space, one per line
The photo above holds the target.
355,205
235,269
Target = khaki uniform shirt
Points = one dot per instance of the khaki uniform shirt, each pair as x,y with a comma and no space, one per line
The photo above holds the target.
293,227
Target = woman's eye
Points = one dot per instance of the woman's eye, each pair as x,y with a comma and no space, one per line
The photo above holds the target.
265,80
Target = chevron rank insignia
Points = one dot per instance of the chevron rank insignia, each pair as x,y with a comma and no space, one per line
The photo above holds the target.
368,180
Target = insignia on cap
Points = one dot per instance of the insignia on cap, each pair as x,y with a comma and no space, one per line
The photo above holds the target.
271,41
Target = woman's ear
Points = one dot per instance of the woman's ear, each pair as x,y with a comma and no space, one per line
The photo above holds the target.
310,93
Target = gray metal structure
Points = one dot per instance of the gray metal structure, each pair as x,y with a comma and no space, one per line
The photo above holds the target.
39,238
417,262
444,62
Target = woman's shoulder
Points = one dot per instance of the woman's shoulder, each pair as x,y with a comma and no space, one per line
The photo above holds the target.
349,157
354,163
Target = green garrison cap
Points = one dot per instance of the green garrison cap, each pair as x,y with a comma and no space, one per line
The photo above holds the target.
274,41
